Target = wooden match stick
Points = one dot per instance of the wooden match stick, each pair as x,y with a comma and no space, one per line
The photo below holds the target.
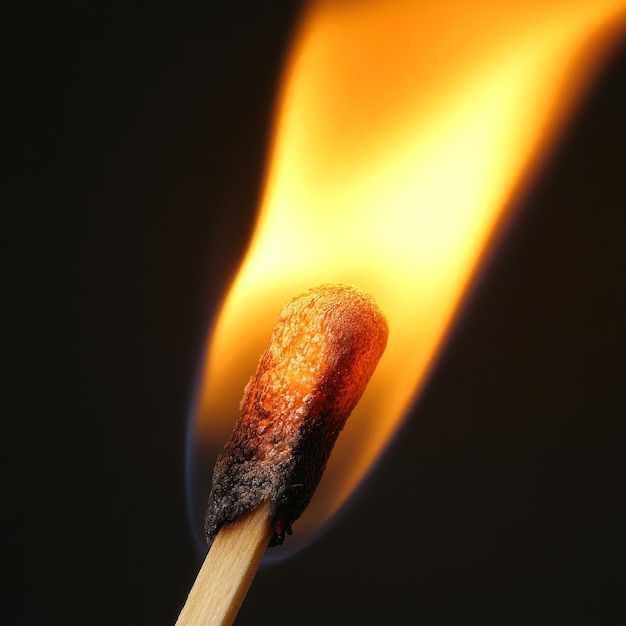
322,352
227,572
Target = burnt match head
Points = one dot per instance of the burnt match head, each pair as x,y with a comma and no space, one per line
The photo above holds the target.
321,354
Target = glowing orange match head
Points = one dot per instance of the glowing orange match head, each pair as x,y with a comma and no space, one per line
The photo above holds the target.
321,354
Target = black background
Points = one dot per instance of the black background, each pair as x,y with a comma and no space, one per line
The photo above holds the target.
135,141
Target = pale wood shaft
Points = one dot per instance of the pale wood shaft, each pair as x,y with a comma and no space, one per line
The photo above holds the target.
228,570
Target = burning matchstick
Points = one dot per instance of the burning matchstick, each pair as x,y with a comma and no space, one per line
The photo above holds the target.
321,354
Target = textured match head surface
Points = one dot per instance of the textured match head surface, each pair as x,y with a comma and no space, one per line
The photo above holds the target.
321,354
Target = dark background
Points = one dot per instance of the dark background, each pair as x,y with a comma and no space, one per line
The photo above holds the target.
135,142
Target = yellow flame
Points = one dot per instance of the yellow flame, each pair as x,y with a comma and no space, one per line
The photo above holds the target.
404,130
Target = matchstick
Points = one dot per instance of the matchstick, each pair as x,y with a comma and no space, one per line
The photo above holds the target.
227,572
321,354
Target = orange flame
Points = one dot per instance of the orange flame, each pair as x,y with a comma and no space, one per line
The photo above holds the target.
405,131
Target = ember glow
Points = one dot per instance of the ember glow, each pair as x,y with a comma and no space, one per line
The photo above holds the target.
405,133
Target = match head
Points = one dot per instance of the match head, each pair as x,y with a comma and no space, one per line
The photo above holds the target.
321,354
